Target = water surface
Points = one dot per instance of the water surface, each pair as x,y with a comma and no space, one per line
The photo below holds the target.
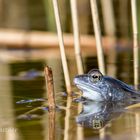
22,89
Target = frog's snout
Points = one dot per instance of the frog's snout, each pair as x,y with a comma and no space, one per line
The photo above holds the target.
76,79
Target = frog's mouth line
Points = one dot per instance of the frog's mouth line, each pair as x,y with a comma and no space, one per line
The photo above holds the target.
83,87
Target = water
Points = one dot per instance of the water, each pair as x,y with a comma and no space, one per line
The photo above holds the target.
23,96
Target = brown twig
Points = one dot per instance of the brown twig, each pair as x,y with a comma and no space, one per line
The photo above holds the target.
50,87
51,102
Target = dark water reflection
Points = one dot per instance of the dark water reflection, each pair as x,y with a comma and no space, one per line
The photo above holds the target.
96,115
22,89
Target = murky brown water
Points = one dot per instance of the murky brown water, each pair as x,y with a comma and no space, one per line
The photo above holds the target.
22,89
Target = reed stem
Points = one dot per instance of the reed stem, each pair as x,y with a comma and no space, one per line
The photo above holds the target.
77,52
76,36
135,43
61,45
97,31
50,88
108,17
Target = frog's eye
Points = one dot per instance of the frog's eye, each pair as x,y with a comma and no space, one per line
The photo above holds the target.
95,75
96,78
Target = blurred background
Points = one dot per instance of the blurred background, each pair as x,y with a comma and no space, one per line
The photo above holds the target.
39,15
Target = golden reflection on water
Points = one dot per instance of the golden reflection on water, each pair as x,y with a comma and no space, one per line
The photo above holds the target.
67,118
7,120
80,130
51,125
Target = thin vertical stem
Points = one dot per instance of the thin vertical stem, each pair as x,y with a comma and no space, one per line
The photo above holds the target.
50,87
61,45
51,102
110,30
77,53
108,17
76,36
97,30
135,43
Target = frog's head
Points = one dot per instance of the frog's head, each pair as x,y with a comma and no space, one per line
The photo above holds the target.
91,84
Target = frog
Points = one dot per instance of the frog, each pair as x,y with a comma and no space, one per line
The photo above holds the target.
98,87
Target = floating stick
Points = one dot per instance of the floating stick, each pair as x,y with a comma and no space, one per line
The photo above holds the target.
76,36
61,45
50,87
97,30
135,43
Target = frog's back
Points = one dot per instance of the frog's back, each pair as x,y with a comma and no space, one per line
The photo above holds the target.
115,83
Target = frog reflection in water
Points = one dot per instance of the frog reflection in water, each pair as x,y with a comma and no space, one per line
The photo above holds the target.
96,115
98,87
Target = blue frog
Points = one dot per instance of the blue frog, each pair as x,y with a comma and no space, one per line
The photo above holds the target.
98,87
